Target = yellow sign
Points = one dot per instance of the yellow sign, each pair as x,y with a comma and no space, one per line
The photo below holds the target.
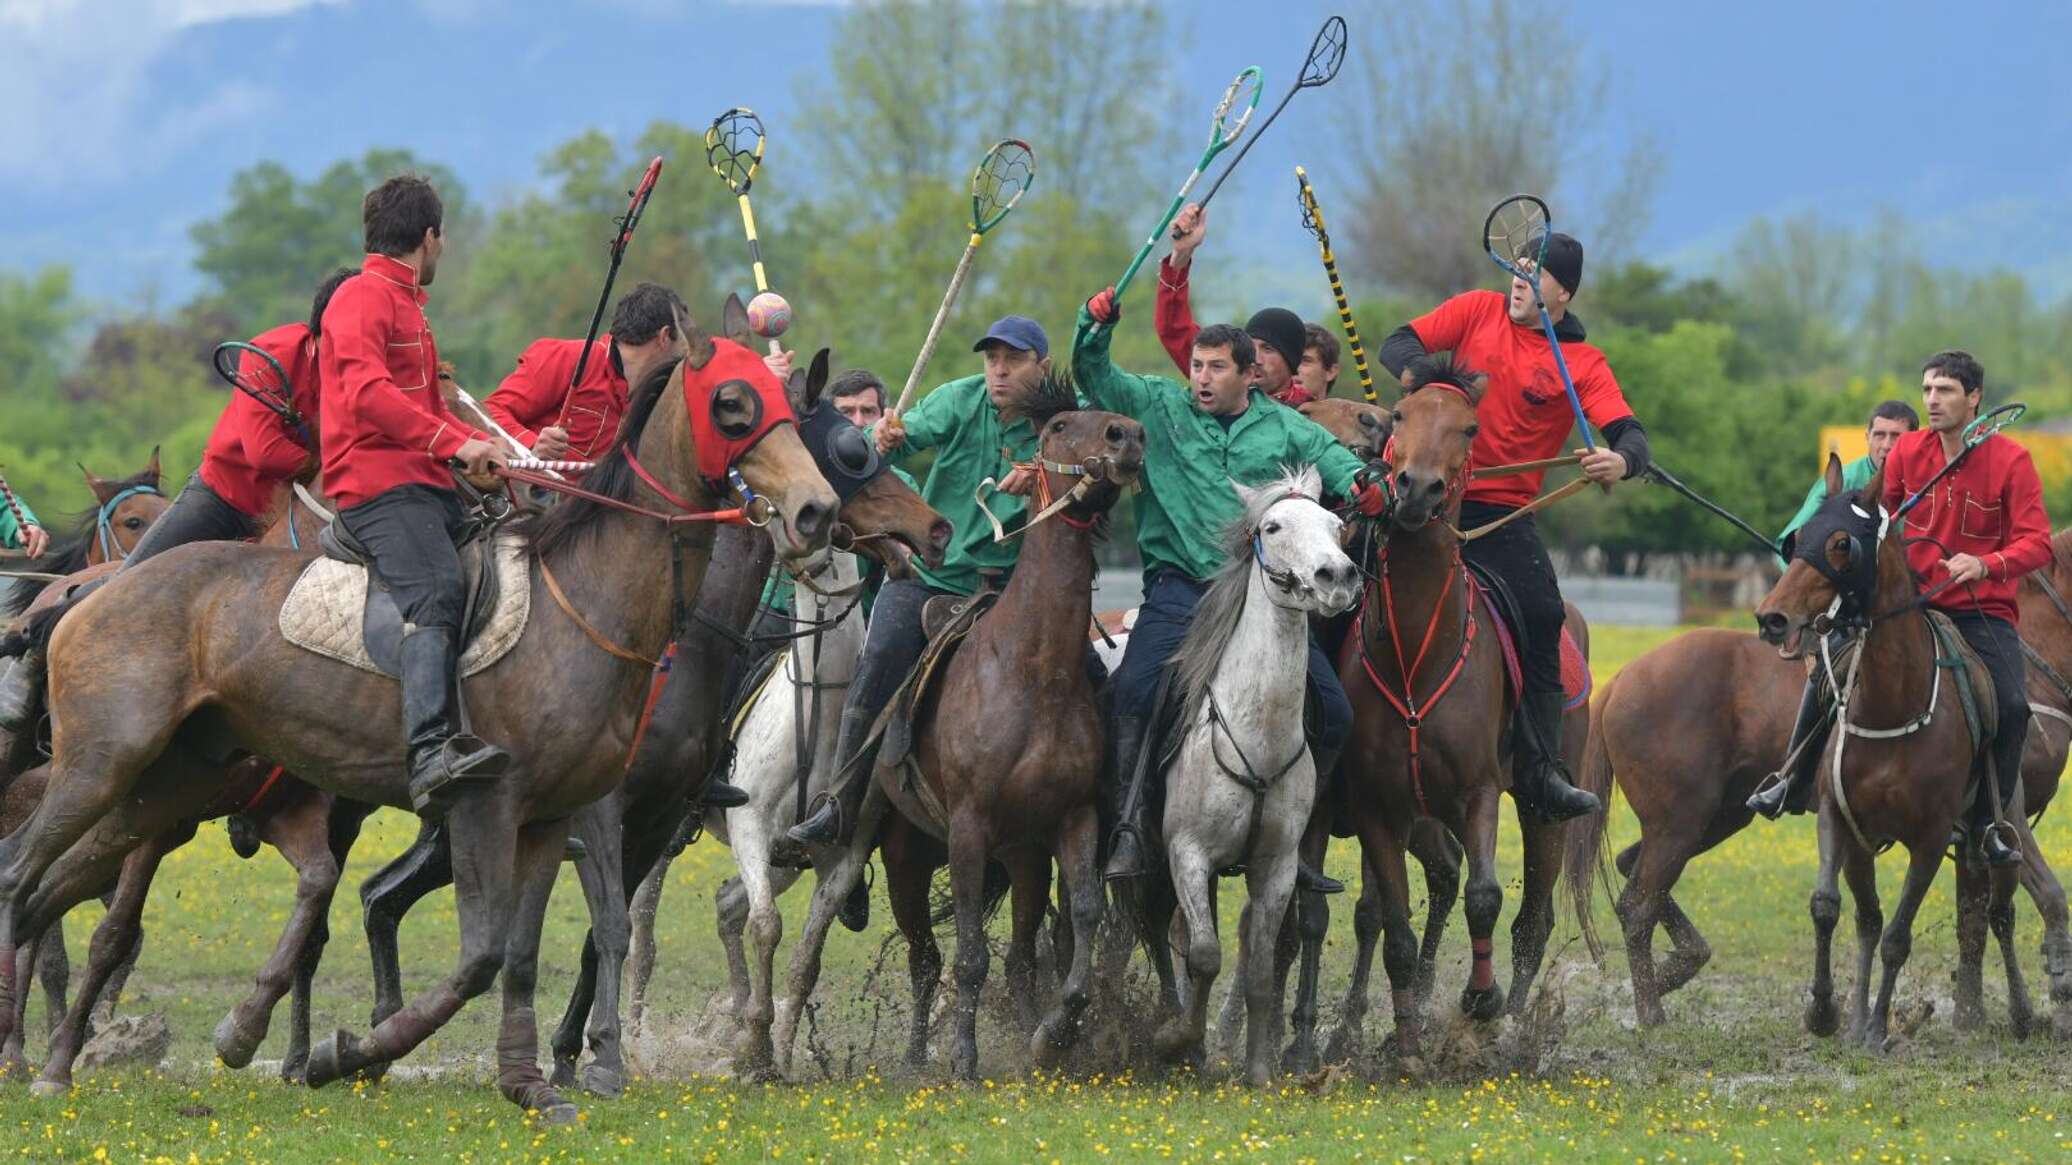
2052,452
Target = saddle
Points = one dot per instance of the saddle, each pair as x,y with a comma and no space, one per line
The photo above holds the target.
1507,622
947,620
340,609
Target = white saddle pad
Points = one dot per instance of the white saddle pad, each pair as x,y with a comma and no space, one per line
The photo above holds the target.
325,609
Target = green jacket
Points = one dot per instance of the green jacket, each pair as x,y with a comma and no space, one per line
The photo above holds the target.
1190,459
10,531
777,589
1855,475
958,421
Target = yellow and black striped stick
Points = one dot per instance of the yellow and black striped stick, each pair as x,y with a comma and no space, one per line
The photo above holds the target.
1313,218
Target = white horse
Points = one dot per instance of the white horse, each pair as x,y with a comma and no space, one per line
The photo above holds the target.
796,716
1240,791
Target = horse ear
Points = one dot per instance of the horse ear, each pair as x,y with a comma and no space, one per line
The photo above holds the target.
1476,386
697,346
103,489
1834,474
795,391
151,467
816,378
1874,490
733,321
1310,482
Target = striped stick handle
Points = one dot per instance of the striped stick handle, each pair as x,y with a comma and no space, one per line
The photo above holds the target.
942,315
1352,331
14,506
538,466
755,256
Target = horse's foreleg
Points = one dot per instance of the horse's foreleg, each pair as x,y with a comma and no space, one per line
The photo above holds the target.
2049,897
761,884
836,874
111,943
386,896
730,919
1078,842
1825,908
1440,854
1029,878
1269,884
1898,940
54,975
482,843
301,832
1194,885
968,852
595,996
640,948
1345,1042
1535,920
537,860
2001,912
1483,999
1311,919
1974,890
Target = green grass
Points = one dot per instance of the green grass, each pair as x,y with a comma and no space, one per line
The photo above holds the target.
1731,1077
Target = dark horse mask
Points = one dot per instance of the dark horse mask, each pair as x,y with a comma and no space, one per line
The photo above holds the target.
722,443
846,455
1857,579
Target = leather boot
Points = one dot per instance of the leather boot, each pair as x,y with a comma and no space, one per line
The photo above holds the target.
1788,791
835,813
440,758
1541,776
1128,856
720,794
856,908
1308,877
2007,761
21,692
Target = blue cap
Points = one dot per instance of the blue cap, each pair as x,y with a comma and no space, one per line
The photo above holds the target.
1018,332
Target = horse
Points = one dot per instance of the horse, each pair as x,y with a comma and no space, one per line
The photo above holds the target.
1432,742
566,707
1232,801
123,509
784,756
630,829
1689,730
1902,755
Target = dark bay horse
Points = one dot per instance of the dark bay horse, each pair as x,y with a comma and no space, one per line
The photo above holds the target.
1422,640
1900,758
141,731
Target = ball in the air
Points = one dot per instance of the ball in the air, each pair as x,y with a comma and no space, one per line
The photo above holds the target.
769,315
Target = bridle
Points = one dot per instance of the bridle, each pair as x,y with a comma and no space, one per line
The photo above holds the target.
105,535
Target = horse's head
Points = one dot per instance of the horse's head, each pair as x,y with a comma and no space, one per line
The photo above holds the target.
1832,566
1294,541
1427,452
1095,453
1361,427
881,516
123,509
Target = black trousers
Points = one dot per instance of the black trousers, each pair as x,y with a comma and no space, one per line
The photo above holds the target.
197,515
1999,647
411,534
1516,555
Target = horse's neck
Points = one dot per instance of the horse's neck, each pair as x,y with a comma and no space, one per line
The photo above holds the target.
1893,679
1049,603
829,655
1260,679
1423,590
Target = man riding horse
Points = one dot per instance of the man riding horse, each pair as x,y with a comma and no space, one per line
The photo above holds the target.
979,428
1890,421
1280,340
251,452
389,447
1974,536
1219,428
1524,416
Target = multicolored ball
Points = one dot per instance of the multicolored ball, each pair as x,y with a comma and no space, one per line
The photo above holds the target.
769,315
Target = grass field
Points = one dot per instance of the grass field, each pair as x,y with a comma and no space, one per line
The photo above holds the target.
1732,1076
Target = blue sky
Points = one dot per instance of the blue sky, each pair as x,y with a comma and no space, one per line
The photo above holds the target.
126,118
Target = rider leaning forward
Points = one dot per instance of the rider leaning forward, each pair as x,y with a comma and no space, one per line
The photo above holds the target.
1525,416
1970,541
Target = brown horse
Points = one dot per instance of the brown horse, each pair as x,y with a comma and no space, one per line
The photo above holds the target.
1900,758
567,709
1417,617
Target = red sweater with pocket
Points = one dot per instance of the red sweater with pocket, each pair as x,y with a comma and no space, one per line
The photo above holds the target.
1990,507
531,397
252,451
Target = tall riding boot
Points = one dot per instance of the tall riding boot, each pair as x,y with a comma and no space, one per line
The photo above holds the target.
1543,780
831,820
440,757
1307,877
1788,790
1127,857
21,692
1990,802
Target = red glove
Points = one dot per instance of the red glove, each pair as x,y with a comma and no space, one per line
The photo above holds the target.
1103,307
1373,500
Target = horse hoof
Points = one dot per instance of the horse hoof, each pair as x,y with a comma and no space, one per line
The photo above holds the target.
2024,1021
1970,1016
1343,1047
236,1045
558,1113
1052,1039
295,1070
15,1068
603,1082
1650,1013
1176,1043
49,1089
564,1073
327,1059
1483,1005
1822,1019
1259,1075
1299,1060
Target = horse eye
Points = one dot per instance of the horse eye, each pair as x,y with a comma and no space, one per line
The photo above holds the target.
1396,416
1474,431
133,523
1273,527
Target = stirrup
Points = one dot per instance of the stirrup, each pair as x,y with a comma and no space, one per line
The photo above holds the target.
1997,852
1770,796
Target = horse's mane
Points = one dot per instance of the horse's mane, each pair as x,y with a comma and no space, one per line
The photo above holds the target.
1055,393
546,531
67,552
1216,616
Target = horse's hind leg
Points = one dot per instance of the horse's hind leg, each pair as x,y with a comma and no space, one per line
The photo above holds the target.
761,883
112,941
730,919
301,832
836,873
906,886
54,975
1483,998
346,817
2001,912
968,856
640,949
1345,1042
537,860
1897,943
1311,919
1825,907
1029,877
1642,901
596,992
1269,883
1440,854
1535,921
2049,897
1078,841
1974,892
386,896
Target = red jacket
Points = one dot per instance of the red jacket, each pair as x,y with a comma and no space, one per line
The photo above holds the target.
530,398
384,423
251,452
1525,415
1990,507
1174,319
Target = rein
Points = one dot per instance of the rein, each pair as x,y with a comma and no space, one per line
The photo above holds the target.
1090,473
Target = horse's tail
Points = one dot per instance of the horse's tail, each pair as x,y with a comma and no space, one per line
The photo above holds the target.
1586,862
996,887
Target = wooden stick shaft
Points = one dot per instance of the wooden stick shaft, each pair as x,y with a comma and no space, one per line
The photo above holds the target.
942,316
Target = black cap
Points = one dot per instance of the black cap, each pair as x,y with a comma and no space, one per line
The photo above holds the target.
1018,332
1279,329
1564,260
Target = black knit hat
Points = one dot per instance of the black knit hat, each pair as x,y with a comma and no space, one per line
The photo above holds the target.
1564,260
1279,329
